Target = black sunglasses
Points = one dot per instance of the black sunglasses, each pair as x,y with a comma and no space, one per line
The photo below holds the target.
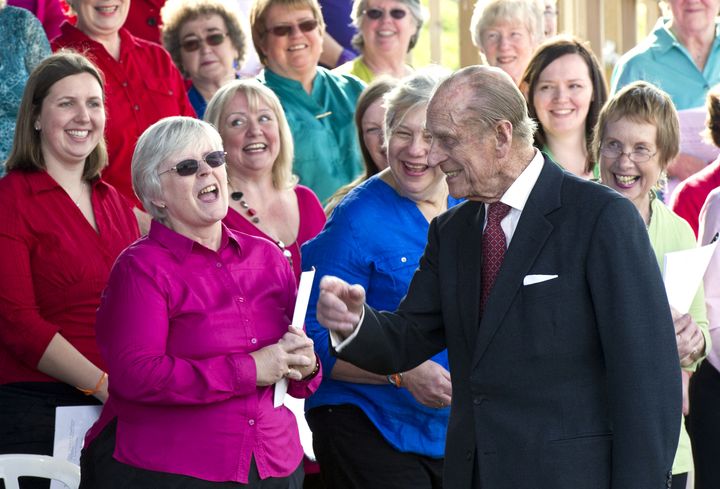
190,167
284,30
376,13
211,40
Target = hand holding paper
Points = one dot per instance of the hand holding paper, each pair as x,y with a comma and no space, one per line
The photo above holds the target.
301,303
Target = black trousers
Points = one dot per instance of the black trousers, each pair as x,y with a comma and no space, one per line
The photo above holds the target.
704,425
100,470
354,455
27,419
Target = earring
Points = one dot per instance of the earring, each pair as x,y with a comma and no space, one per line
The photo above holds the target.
37,125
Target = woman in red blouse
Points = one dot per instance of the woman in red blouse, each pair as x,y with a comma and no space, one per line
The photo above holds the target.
61,228
142,84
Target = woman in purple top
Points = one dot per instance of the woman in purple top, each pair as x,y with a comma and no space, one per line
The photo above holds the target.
193,326
265,199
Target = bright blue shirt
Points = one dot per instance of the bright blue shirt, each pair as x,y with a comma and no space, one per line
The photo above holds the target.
24,46
197,101
375,238
661,60
327,154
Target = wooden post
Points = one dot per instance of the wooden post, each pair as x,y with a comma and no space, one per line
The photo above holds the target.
468,52
435,28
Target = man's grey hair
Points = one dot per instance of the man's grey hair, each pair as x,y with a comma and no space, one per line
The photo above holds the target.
494,97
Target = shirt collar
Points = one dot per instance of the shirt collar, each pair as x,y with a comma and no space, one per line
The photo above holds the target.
666,40
517,194
41,181
75,35
181,246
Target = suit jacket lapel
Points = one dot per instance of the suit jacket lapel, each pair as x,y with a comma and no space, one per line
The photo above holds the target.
468,271
529,238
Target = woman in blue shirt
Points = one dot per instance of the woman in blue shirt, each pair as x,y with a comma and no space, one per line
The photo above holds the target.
370,430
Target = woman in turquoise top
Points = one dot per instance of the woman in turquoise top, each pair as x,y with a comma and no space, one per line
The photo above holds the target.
565,89
637,136
372,431
319,105
24,46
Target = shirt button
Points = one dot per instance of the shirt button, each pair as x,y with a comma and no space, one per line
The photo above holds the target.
253,340
124,84
468,455
151,21
241,299
219,265
136,107
170,92
477,401
403,259
251,422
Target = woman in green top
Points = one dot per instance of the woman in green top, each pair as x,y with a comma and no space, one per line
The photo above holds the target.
319,104
565,89
637,136
387,31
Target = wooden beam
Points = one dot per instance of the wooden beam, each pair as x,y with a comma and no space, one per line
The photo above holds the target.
435,29
468,52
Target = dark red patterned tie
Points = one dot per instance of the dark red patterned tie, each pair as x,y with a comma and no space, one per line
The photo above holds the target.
493,248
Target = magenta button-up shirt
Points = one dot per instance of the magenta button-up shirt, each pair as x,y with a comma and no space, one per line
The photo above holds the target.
176,325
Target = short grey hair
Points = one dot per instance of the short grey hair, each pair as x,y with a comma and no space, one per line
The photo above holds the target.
411,92
494,98
160,142
488,13
255,92
358,13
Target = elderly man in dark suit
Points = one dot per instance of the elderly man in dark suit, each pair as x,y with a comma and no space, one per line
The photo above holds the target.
545,291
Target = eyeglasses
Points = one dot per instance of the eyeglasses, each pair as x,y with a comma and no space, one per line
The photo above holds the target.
211,40
614,151
284,30
376,13
190,167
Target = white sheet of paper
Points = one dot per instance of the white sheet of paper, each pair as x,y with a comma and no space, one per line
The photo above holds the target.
692,123
301,305
683,272
71,424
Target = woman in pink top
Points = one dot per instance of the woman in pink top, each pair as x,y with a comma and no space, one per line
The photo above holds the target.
194,326
265,199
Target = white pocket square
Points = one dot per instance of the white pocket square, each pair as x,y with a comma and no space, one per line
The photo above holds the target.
536,279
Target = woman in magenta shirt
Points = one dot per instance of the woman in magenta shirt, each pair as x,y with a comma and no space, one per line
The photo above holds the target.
194,326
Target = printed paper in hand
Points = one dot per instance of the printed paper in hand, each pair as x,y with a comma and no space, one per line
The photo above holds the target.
683,272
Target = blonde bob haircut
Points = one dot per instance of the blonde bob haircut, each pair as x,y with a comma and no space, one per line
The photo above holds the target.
26,153
643,102
258,19
256,92
489,13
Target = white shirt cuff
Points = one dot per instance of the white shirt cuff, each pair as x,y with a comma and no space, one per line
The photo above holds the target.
337,343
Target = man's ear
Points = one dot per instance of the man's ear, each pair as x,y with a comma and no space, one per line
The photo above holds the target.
503,138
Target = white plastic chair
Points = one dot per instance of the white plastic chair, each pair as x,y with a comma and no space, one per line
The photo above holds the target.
19,465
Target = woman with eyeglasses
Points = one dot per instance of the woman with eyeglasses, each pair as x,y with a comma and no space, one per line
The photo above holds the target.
61,229
319,104
207,43
387,31
142,84
636,136
194,326
265,199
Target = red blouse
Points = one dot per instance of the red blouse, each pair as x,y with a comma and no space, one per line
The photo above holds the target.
142,87
53,267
